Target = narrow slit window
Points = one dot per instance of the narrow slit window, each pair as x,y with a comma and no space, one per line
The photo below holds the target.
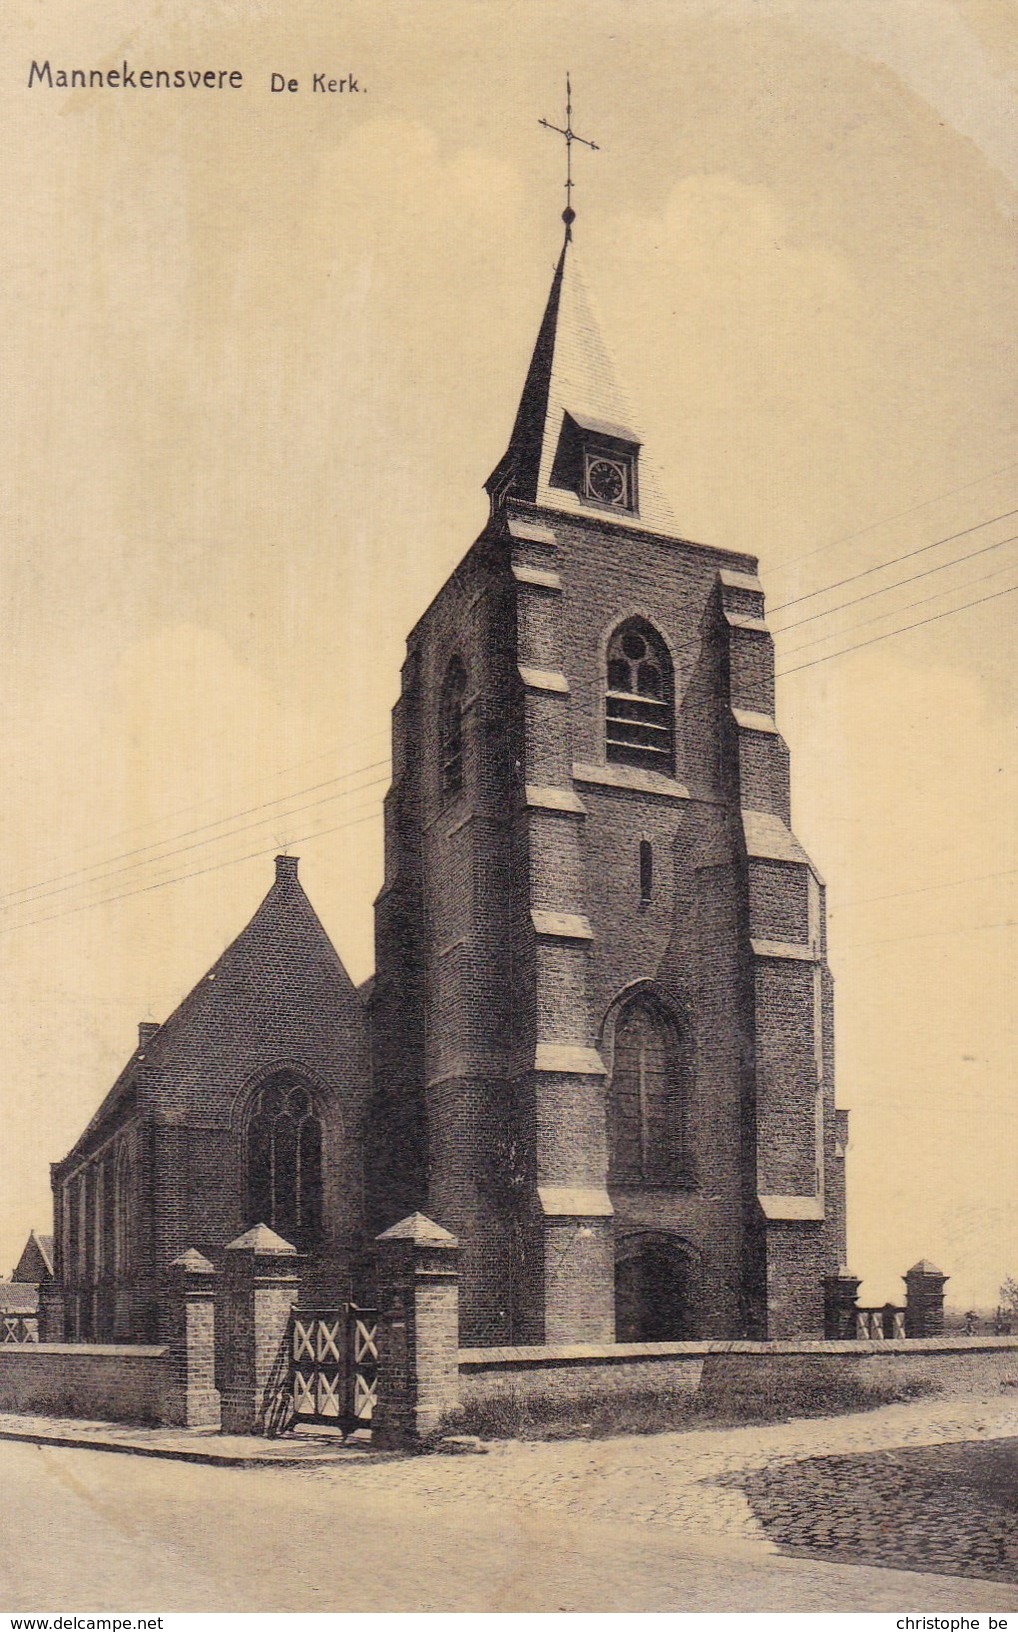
646,870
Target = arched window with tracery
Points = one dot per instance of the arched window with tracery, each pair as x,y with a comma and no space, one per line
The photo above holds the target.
647,1097
450,728
284,1160
640,699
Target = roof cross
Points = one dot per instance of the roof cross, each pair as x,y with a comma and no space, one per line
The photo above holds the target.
569,214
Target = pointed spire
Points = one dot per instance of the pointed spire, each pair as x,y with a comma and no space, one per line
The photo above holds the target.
571,399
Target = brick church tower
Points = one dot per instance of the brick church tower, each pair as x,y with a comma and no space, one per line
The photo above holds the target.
602,1016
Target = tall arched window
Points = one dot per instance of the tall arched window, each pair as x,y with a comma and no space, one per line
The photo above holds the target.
284,1160
450,728
640,699
125,1205
647,1098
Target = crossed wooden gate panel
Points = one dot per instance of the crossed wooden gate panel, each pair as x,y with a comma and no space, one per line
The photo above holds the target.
334,1365
20,1329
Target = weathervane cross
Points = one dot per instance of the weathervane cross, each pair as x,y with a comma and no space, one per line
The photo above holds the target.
569,214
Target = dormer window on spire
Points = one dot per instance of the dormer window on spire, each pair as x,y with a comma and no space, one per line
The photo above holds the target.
598,462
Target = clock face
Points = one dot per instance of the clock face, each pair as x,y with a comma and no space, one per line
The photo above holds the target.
606,480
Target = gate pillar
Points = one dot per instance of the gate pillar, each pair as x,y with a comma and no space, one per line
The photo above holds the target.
924,1299
841,1292
52,1328
194,1400
418,1330
258,1292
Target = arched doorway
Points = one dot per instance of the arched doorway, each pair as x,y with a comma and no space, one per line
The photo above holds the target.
654,1292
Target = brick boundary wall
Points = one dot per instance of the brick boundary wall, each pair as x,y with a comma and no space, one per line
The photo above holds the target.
737,1375
107,1383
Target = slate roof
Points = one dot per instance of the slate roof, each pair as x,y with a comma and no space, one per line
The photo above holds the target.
36,1261
571,373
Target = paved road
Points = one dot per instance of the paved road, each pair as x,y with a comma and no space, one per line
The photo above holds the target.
950,1508
667,1522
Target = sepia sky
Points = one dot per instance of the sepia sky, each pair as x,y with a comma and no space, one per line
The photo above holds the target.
260,353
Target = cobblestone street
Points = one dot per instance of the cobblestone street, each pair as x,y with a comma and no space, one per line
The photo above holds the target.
929,1485
822,1514
939,1507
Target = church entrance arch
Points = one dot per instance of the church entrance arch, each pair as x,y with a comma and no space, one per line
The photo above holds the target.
655,1290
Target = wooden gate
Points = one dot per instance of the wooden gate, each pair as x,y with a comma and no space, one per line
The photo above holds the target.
334,1366
19,1328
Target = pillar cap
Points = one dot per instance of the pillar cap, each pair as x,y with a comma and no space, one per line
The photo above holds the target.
925,1267
261,1239
194,1261
423,1232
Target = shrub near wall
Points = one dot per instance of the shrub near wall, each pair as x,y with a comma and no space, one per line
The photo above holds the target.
107,1383
784,1378
643,1388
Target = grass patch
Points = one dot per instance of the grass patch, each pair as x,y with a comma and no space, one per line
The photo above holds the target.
605,1414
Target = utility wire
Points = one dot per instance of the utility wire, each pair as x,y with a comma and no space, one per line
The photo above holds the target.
919,624
907,556
871,527
199,872
187,833
887,589
199,844
921,889
26,891
921,600
932,934
252,782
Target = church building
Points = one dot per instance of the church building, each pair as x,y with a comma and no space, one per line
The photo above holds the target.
598,1048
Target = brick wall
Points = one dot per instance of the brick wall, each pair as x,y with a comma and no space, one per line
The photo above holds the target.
111,1384
740,1377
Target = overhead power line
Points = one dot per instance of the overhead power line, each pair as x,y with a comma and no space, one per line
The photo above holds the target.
888,589
251,782
125,855
899,515
881,565
199,844
922,889
887,635
933,934
895,611
180,878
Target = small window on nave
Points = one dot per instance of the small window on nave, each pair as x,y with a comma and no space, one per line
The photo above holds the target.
284,1161
450,728
640,699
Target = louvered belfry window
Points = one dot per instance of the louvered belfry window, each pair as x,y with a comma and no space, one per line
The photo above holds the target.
640,699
